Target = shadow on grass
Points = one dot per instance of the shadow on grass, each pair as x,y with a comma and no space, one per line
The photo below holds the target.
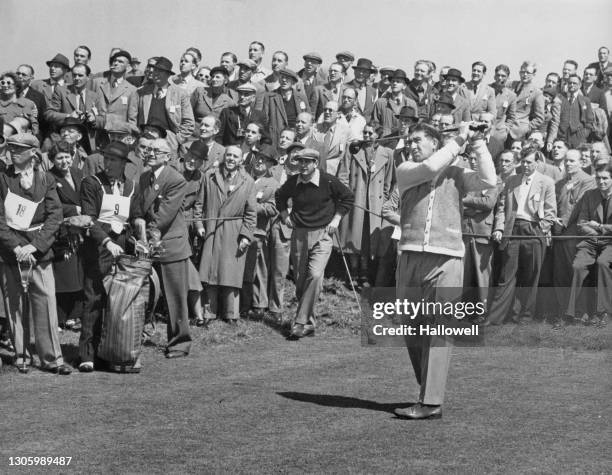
331,400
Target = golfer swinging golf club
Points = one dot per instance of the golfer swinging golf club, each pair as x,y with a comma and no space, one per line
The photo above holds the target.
430,265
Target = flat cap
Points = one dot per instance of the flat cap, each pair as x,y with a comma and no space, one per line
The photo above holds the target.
289,73
117,149
407,112
247,87
121,53
135,60
219,69
249,63
122,127
313,56
446,98
345,54
308,153
24,140
295,146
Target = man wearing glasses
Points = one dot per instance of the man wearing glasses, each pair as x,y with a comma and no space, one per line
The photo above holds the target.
157,206
330,137
319,202
529,103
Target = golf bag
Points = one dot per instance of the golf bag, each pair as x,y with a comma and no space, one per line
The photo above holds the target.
127,288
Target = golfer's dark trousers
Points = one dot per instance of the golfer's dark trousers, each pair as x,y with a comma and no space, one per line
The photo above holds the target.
95,301
521,265
593,252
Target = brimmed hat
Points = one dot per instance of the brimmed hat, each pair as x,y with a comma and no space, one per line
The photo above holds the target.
117,149
247,87
24,140
309,153
199,150
447,99
454,73
268,152
122,127
60,59
74,122
345,54
135,60
159,128
219,69
294,146
364,63
400,74
407,112
386,70
163,64
289,73
126,55
313,57
249,63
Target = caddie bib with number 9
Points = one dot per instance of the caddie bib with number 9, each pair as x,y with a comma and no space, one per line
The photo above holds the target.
115,209
19,211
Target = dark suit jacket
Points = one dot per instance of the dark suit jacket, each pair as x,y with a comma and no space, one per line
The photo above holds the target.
591,209
597,96
585,116
69,197
38,98
425,103
230,119
48,213
44,87
319,78
600,69
568,199
160,205
540,201
274,109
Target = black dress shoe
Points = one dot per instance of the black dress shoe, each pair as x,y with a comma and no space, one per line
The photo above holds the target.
63,370
419,411
300,330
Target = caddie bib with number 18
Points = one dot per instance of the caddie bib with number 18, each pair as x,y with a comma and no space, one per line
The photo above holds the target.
19,211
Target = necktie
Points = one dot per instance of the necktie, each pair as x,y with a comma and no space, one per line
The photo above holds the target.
519,89
81,102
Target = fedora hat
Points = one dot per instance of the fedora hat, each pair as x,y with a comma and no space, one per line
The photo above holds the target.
164,64
77,123
364,63
407,112
400,74
454,73
59,59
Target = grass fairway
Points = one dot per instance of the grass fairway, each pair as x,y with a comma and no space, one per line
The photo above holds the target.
246,400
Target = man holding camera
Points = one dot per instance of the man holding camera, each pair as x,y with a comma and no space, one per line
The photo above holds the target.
78,102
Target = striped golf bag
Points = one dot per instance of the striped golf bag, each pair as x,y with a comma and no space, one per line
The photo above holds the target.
127,288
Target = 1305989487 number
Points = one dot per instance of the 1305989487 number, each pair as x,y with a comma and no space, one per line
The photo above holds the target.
44,460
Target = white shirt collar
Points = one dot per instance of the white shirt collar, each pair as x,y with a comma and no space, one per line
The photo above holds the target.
314,178
158,171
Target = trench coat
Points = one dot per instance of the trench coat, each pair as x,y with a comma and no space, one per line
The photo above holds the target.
371,184
221,263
